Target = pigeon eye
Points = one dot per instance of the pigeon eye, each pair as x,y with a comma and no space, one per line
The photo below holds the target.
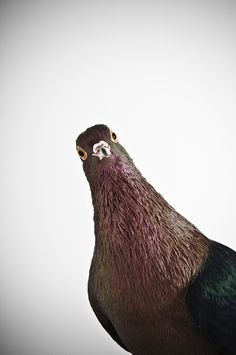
82,153
113,136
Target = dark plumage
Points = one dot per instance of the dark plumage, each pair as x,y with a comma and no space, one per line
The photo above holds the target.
156,283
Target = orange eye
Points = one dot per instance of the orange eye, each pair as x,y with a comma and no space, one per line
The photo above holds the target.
113,136
82,153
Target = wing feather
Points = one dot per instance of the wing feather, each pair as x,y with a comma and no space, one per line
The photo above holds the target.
211,298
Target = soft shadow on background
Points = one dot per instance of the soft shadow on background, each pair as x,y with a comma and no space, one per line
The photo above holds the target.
162,74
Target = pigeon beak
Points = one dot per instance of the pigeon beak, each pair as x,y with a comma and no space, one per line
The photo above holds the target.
101,150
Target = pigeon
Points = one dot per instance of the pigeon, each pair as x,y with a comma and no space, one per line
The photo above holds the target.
156,284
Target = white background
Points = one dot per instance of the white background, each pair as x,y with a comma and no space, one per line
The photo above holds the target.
162,75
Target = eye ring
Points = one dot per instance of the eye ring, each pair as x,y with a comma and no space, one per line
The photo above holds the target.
82,153
113,136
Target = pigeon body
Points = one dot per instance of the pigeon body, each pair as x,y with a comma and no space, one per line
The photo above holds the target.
157,285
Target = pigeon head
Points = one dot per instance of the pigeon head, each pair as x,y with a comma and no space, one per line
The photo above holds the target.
101,153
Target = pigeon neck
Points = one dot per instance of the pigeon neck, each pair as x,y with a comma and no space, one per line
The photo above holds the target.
126,203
